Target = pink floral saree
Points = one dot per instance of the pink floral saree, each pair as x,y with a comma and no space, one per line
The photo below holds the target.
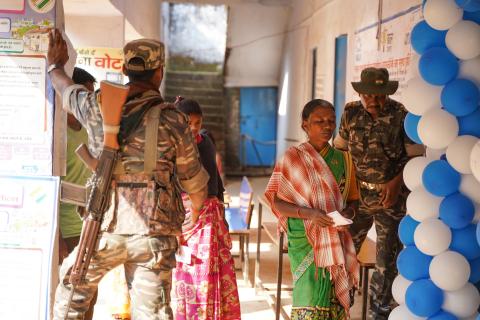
206,288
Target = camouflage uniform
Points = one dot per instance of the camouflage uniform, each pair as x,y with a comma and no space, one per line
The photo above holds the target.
378,149
146,212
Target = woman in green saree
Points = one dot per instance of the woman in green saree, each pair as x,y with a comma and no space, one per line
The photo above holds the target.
311,180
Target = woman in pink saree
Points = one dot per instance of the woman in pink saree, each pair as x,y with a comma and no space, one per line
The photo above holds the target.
205,281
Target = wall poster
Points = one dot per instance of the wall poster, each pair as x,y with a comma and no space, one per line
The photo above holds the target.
28,191
392,51
27,234
26,96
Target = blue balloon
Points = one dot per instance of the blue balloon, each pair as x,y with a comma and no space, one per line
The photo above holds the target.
406,230
413,264
424,298
474,271
457,211
469,5
410,124
438,66
424,37
440,179
472,16
464,241
442,315
460,97
469,124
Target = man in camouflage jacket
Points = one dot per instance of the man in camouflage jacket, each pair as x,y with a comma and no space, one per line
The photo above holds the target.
146,213
372,131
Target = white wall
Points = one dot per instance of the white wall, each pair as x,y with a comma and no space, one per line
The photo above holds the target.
100,23
316,24
256,36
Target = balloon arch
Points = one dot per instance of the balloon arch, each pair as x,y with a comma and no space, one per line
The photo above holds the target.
439,268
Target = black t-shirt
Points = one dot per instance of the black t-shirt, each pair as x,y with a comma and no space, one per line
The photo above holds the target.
207,151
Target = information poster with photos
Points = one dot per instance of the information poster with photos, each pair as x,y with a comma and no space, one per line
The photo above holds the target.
27,235
392,50
26,96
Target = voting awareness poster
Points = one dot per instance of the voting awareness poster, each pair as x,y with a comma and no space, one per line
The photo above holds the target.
26,97
392,49
27,234
102,63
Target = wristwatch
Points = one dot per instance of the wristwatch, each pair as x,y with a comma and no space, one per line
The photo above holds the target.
52,67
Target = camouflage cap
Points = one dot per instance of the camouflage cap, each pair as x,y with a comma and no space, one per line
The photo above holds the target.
151,52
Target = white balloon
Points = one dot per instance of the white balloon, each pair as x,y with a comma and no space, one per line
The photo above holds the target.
402,313
475,160
434,154
463,40
470,69
442,14
470,187
458,153
472,317
423,205
437,128
449,271
462,303
412,172
399,288
432,237
420,96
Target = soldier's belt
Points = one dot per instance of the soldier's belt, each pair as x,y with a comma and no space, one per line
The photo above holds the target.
369,186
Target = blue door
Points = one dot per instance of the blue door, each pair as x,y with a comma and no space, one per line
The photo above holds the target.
258,126
340,76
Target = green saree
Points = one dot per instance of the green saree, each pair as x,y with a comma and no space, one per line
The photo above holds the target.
313,293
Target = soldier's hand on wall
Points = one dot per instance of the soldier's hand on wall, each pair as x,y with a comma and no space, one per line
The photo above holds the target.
57,49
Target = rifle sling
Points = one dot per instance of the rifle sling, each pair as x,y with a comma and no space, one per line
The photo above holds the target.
151,140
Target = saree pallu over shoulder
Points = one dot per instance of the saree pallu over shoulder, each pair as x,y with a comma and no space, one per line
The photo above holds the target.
303,177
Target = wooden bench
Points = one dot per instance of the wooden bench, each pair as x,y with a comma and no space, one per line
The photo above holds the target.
271,231
367,259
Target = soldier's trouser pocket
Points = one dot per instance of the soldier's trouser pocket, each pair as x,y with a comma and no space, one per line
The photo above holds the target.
162,253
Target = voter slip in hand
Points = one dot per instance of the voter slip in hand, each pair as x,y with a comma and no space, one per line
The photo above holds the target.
338,219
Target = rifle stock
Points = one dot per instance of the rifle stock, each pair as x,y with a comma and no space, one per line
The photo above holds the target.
113,97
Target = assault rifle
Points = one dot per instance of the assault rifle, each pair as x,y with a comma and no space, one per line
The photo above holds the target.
111,100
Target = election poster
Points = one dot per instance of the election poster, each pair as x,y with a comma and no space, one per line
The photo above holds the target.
26,96
27,235
388,47
102,63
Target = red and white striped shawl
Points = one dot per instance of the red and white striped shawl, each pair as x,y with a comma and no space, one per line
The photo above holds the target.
303,177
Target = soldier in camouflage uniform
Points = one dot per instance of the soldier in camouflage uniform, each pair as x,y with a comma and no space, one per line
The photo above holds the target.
146,212
372,130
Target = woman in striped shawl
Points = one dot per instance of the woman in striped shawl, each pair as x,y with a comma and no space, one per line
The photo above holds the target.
311,180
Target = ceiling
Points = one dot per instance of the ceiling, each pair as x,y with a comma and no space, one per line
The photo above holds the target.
91,8
114,7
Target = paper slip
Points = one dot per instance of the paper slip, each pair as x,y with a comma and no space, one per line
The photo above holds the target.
338,219
184,255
